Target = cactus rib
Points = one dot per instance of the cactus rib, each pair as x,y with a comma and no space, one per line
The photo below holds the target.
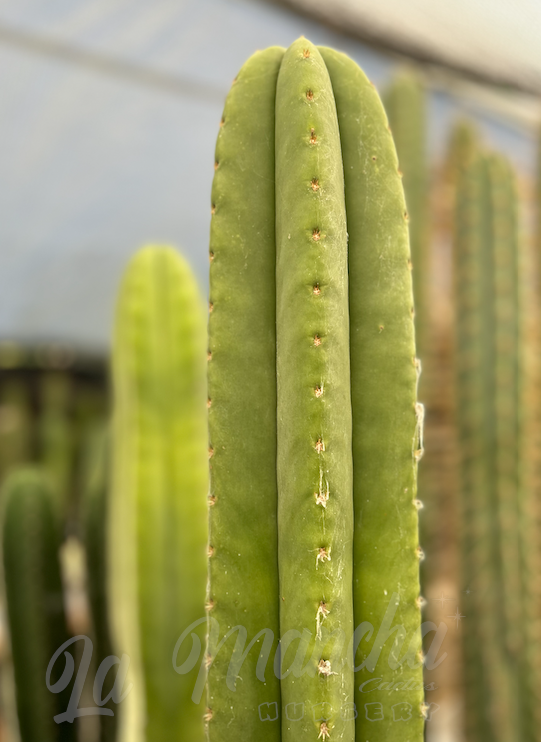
243,566
315,498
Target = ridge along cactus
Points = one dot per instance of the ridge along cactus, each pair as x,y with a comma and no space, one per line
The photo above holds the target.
314,426
405,105
31,539
157,531
500,547
95,511
56,434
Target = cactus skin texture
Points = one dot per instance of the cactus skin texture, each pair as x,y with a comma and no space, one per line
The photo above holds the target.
33,589
498,546
405,105
157,537
95,506
313,417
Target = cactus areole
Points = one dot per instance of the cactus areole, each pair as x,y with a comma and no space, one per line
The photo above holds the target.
313,419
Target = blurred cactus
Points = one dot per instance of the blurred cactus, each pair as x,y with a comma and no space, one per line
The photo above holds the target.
157,531
462,148
304,370
499,542
95,505
15,423
55,434
33,589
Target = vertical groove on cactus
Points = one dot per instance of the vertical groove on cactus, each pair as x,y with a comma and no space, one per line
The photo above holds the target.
35,612
314,398
157,536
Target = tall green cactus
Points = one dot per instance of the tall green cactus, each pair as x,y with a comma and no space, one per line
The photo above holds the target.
313,417
157,535
33,589
500,544
405,105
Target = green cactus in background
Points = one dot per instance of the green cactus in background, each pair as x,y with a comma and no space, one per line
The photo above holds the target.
95,506
157,531
55,433
499,541
463,146
15,424
405,105
33,589
312,372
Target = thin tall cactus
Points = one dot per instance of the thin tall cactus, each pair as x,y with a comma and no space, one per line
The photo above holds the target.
157,531
499,543
31,539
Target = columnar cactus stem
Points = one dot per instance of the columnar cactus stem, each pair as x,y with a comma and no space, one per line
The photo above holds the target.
33,589
499,547
157,536
345,412
315,496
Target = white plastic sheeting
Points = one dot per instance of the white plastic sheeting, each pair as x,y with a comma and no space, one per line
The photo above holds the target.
108,119
493,39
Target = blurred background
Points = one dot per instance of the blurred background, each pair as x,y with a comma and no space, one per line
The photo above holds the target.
108,118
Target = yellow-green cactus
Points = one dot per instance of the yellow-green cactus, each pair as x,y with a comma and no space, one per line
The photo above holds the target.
157,529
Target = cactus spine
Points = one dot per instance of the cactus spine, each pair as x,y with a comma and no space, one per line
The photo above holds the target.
33,589
498,544
157,535
305,416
